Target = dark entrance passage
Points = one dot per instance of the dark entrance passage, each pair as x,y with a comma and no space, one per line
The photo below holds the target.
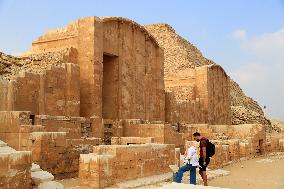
110,87
260,145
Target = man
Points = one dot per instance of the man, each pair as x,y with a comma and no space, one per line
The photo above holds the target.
191,163
204,159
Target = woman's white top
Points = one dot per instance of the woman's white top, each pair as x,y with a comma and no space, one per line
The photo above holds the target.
192,156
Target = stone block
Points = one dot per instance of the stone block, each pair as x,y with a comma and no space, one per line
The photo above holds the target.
131,140
10,121
39,177
35,168
14,168
110,164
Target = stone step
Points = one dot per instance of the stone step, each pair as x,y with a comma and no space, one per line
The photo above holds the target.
4,148
43,179
2,144
35,168
39,177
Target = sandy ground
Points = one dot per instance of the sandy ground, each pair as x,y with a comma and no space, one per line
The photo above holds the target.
259,173
72,184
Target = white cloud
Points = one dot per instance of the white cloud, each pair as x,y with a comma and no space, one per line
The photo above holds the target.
248,73
268,45
264,46
266,51
239,35
261,74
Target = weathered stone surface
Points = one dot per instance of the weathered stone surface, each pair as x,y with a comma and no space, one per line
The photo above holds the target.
111,164
14,168
201,98
11,66
57,152
53,91
131,140
2,144
277,125
35,168
180,55
244,109
39,177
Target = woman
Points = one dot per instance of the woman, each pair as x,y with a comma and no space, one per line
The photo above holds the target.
191,163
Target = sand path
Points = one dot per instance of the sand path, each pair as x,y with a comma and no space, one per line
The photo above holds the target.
259,173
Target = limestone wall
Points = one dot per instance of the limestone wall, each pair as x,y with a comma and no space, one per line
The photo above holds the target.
275,142
57,154
145,130
14,168
219,102
86,36
50,151
11,131
138,73
202,96
161,133
182,104
252,138
73,126
54,92
131,140
111,164
53,149
235,142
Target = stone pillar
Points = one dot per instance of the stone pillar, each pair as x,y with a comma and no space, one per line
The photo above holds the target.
202,91
90,58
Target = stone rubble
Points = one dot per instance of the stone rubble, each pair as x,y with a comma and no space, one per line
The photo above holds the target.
180,55
11,66
277,125
244,109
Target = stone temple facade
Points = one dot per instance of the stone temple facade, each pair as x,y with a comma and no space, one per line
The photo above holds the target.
91,101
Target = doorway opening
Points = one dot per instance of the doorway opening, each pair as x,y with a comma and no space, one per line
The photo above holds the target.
32,118
107,134
260,145
110,87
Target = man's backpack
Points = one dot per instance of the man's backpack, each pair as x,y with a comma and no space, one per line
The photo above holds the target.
210,149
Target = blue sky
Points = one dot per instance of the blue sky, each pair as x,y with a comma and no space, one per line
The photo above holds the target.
245,37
